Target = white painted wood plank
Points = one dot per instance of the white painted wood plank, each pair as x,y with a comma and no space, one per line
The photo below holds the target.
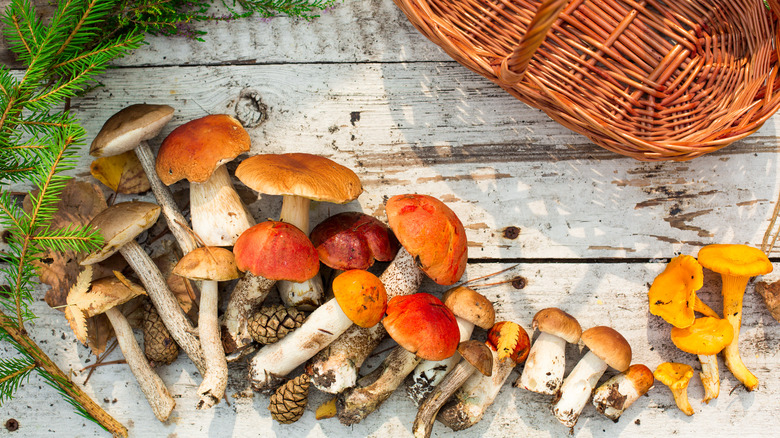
597,294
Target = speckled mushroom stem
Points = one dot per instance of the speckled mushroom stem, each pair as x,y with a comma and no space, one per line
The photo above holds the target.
336,367
164,301
733,293
250,291
577,389
710,378
306,295
218,215
426,415
173,217
151,384
545,367
212,387
355,404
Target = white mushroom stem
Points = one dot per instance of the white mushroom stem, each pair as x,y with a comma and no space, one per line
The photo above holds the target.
151,384
336,368
212,387
710,379
615,395
272,362
250,291
468,405
577,389
218,215
546,364
429,373
173,217
305,295
165,302
426,415
356,403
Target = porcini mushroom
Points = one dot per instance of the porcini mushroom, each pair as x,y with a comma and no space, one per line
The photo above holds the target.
424,328
129,129
359,298
735,264
509,344
300,178
119,225
544,370
210,264
434,244
197,151
672,295
608,348
476,357
267,252
470,308
676,376
353,240
706,337
615,395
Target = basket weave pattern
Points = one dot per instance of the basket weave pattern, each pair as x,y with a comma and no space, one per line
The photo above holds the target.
653,80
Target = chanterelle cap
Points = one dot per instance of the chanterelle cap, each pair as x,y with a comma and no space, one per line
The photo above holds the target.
736,260
707,336
129,127
120,224
470,305
210,263
609,345
559,323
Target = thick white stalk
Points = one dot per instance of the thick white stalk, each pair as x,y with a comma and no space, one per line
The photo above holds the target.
272,362
336,368
218,215
305,295
426,415
250,291
614,396
710,378
165,302
212,388
151,384
546,364
429,373
577,389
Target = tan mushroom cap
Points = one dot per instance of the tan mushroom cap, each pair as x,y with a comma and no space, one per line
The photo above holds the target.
194,150
470,305
107,293
210,263
298,174
734,259
478,354
558,323
129,127
120,224
609,345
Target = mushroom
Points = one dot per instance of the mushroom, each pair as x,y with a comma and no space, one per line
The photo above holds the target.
210,264
104,296
706,337
615,395
359,298
424,328
119,225
300,178
476,357
129,129
268,252
736,264
434,244
544,370
197,151
608,348
470,308
676,376
509,345
672,295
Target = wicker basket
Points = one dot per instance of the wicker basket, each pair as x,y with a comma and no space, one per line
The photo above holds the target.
654,80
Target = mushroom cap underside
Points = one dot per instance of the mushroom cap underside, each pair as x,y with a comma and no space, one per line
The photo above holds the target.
129,127
120,224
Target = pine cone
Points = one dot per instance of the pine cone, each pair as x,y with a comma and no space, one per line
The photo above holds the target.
272,323
289,400
159,346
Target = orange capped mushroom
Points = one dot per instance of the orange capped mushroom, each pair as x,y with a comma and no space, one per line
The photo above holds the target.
673,296
361,296
706,337
676,376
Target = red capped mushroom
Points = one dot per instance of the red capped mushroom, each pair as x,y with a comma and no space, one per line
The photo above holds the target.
353,240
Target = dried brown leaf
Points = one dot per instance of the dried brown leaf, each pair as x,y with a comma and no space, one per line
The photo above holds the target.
770,292
121,173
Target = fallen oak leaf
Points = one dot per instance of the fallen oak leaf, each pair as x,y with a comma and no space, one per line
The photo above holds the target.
121,173
770,292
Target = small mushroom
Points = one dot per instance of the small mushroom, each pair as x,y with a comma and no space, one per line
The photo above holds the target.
119,225
672,295
608,348
736,264
676,376
706,337
476,357
544,370
210,264
360,298
300,178
618,393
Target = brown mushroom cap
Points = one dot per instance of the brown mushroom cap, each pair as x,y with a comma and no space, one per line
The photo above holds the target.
707,336
470,305
736,260
306,175
197,148
277,251
609,345
559,323
478,354
129,127
120,224
210,263
108,292
353,240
